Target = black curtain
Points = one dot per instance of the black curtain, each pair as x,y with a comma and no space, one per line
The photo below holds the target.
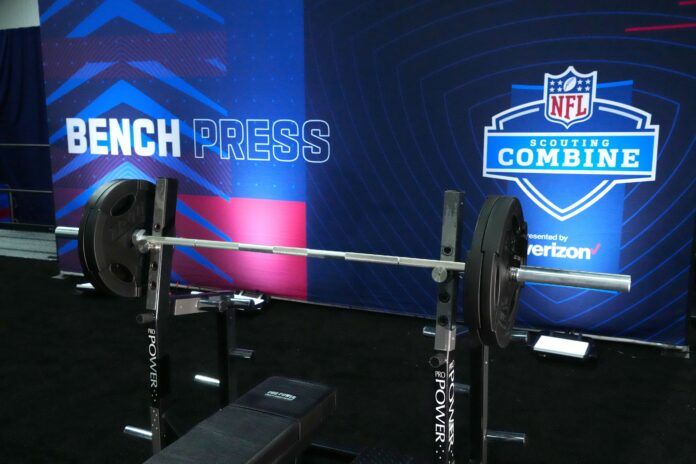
23,124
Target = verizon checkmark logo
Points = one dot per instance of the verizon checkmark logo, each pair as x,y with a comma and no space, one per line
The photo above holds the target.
553,250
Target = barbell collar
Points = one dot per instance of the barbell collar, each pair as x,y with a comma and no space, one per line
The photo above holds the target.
440,274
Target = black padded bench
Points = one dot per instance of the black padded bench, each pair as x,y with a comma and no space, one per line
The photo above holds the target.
272,423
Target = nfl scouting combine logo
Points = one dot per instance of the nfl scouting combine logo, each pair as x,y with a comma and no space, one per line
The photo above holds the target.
569,149
568,97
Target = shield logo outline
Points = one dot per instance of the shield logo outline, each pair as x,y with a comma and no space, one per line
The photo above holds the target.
604,185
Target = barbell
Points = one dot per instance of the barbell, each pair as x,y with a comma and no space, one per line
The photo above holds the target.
113,241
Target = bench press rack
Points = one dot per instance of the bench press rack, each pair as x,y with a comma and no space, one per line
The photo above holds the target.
114,240
162,306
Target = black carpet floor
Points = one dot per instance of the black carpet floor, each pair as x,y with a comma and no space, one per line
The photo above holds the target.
73,373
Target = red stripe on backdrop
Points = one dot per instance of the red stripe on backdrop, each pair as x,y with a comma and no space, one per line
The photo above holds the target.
660,27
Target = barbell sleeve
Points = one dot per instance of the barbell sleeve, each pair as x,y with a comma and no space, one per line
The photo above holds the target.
595,280
66,232
541,275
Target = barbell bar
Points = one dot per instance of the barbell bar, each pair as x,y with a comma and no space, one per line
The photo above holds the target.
521,274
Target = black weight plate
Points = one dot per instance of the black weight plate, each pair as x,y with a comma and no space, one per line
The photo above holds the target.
111,216
504,246
472,272
86,235
86,228
110,260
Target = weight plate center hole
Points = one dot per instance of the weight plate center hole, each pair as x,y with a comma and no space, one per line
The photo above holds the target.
122,205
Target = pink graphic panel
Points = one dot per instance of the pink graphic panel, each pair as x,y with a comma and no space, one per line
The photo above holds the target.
272,222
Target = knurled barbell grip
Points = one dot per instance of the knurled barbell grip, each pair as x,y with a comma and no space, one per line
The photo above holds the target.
143,241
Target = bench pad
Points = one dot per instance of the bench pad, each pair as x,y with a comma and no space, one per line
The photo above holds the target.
271,423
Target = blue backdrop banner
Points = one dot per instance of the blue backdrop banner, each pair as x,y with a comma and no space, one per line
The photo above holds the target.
338,124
